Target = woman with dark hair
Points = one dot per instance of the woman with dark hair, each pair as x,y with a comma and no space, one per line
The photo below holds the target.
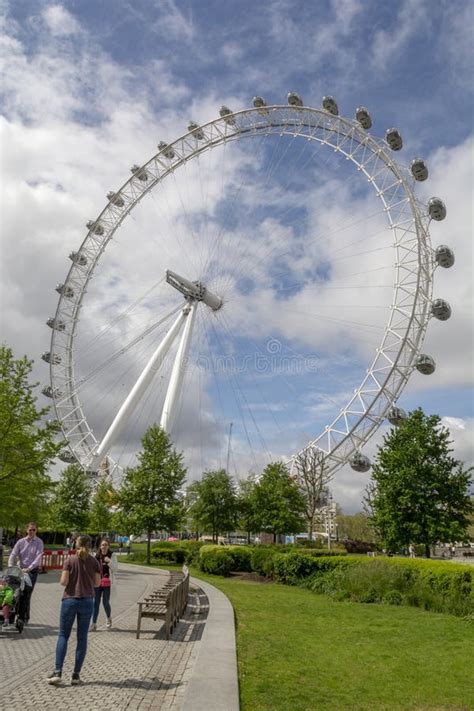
81,574
107,565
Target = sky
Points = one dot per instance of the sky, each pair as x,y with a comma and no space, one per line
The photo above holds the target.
290,237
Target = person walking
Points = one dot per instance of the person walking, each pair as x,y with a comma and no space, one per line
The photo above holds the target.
107,568
28,552
80,575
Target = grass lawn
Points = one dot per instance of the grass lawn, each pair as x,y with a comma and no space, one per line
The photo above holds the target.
298,651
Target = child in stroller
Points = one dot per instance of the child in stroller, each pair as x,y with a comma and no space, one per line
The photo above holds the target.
12,585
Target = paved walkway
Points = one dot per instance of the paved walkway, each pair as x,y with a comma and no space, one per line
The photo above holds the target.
195,669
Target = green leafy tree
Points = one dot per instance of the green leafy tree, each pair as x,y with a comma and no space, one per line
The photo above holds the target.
149,497
101,513
278,502
215,505
246,507
419,492
26,443
356,526
70,506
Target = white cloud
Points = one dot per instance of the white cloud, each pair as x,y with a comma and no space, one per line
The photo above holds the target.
59,21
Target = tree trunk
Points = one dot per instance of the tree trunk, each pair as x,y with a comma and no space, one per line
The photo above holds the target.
427,550
248,537
148,548
274,537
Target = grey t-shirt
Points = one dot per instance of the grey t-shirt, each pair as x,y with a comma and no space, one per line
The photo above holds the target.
81,576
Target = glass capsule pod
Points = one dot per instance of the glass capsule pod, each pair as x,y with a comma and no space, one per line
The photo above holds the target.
444,256
441,309
330,105
166,149
436,209
78,258
396,415
425,364
393,139
49,357
64,290
139,173
116,199
227,115
363,117
419,169
359,462
196,130
65,455
95,227
294,99
56,324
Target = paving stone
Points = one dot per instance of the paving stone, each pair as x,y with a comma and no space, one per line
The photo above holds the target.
120,672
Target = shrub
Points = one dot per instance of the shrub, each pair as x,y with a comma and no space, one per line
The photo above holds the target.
215,560
354,546
261,560
169,555
241,558
192,549
393,597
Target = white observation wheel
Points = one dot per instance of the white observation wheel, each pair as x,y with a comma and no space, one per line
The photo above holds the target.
399,349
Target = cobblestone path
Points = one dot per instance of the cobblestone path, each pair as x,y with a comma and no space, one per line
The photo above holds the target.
120,672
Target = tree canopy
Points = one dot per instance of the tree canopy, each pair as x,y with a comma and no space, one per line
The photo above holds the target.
419,492
149,497
279,504
71,501
214,503
27,444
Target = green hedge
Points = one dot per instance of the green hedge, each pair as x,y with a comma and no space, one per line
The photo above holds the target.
431,585
166,554
216,560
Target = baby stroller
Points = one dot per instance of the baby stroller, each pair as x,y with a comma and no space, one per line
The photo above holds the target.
17,580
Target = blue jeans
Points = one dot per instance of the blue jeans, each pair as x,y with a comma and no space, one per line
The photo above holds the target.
103,593
72,608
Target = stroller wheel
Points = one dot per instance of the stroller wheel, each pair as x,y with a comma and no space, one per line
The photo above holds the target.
19,625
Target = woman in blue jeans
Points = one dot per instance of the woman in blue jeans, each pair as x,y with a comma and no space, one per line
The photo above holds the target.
81,574
104,557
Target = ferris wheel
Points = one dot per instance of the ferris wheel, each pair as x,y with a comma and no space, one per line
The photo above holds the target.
219,280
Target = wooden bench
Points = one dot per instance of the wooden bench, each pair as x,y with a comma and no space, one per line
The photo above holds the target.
167,603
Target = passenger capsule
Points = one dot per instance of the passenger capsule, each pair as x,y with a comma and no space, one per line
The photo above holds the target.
294,99
139,173
196,130
227,115
56,324
419,169
95,227
78,258
53,358
329,104
396,415
116,199
363,117
444,256
65,290
436,209
49,392
441,309
425,364
260,103
166,149
65,455
359,462
393,139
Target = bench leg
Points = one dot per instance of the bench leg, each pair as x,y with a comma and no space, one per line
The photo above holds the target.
139,621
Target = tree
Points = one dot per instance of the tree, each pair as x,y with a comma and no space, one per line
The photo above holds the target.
278,503
71,501
149,497
312,477
26,442
215,506
101,514
356,527
246,507
419,492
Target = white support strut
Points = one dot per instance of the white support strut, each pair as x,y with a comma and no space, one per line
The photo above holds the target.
177,373
139,388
